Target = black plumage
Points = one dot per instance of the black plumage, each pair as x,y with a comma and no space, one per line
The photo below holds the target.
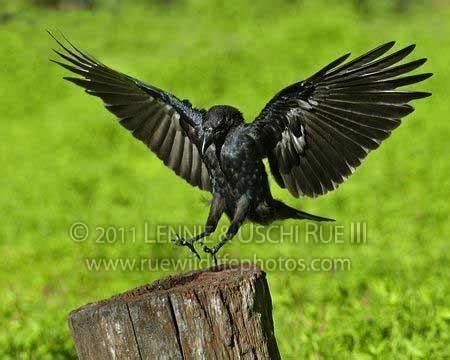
314,133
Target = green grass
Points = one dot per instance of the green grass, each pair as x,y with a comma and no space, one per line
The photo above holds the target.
65,159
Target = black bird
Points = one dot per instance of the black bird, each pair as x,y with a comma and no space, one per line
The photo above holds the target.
314,133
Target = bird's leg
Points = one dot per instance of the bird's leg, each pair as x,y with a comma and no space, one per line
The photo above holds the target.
238,219
215,212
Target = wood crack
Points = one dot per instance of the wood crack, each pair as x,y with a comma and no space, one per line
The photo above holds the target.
134,332
175,324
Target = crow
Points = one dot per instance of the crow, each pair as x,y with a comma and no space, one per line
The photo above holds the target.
314,133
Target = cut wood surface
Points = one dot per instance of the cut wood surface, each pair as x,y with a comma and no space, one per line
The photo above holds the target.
224,312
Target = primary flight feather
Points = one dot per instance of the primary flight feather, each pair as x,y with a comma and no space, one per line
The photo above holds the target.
314,133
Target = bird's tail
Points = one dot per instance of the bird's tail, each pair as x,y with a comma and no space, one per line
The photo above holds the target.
284,211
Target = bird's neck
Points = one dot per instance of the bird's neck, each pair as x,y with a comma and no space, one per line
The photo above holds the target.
218,142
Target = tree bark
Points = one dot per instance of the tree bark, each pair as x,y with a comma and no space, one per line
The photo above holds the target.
224,312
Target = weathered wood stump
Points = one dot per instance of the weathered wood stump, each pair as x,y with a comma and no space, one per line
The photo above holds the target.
224,312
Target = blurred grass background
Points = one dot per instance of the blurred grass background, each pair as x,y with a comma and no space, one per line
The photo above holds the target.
65,159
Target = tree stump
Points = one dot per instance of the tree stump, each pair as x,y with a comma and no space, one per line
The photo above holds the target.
224,312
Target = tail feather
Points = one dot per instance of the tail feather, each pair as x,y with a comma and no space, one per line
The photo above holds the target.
284,211
304,215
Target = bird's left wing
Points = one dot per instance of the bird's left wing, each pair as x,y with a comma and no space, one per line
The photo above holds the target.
170,127
316,132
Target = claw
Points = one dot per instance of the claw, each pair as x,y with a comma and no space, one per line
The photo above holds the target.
212,252
179,241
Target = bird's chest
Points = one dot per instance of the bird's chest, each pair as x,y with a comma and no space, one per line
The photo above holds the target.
233,154
238,160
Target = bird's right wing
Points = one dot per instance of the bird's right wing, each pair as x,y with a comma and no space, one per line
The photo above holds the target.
316,132
171,128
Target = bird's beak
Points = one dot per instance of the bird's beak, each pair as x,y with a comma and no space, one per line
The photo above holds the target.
207,141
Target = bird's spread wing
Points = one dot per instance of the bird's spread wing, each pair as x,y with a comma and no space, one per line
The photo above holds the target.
171,128
319,130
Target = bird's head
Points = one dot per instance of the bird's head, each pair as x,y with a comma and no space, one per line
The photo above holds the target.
220,119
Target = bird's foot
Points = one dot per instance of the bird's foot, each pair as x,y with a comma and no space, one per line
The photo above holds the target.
212,251
179,241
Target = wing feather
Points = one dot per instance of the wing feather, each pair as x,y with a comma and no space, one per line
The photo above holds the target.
319,130
152,115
